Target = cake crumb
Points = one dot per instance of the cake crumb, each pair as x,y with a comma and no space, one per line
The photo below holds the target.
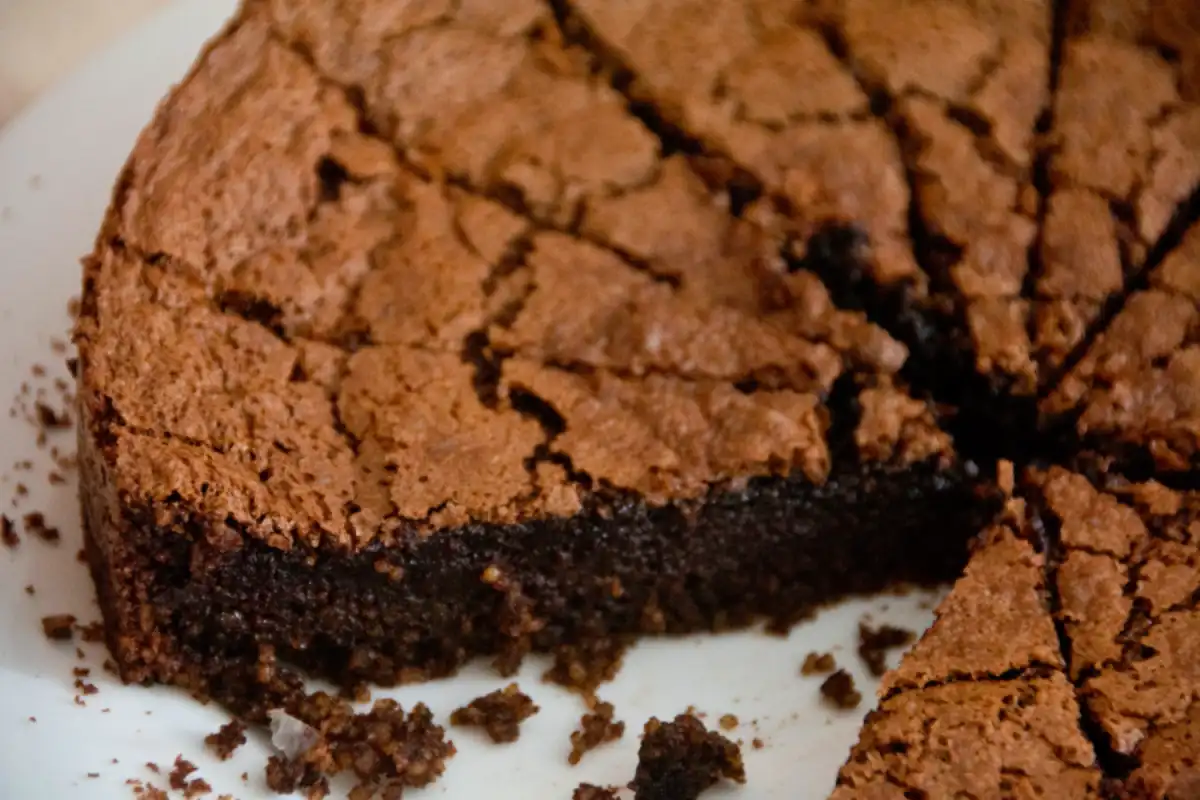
49,419
229,738
35,525
595,728
839,690
386,748
150,765
680,759
818,664
587,791
59,627
756,743
86,688
179,776
874,643
500,713
93,632
583,667
8,532
728,722
29,590
33,719
93,774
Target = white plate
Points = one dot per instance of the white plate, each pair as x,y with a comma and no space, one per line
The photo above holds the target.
57,164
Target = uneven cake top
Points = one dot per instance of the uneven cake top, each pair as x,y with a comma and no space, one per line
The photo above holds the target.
1138,385
995,621
927,743
988,183
1128,579
339,298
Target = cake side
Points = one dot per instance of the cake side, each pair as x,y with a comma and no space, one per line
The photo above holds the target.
341,414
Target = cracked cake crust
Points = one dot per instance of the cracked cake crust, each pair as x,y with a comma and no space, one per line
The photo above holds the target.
421,331
327,355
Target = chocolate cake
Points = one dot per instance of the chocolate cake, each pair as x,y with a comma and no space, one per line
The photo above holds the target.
990,669
421,332
341,413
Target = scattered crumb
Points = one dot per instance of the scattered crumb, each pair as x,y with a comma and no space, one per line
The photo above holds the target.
595,728
35,525
38,371
839,690
385,748
56,478
79,653
874,643
229,738
22,490
150,765
59,627
8,532
500,713
85,687
585,666
58,345
179,775
33,719
586,791
196,787
92,632
680,759
818,664
49,419
756,743
81,672
728,722
93,774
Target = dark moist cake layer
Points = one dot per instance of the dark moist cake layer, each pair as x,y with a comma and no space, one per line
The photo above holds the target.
374,417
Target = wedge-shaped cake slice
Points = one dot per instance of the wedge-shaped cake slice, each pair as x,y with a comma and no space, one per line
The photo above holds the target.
981,706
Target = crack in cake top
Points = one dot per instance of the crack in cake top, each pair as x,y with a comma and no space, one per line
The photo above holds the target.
297,308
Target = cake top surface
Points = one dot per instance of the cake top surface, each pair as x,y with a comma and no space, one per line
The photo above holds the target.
988,183
989,669
1137,385
323,322
1128,579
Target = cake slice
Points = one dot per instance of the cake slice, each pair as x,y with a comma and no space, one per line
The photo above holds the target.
980,707
1128,578
349,403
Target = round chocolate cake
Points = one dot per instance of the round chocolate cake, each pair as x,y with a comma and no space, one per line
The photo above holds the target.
422,331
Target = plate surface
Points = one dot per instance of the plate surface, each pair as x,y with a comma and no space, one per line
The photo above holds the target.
57,164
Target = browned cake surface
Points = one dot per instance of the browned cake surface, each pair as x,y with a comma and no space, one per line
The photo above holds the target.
1128,580
420,331
319,335
1002,169
980,706
1134,393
